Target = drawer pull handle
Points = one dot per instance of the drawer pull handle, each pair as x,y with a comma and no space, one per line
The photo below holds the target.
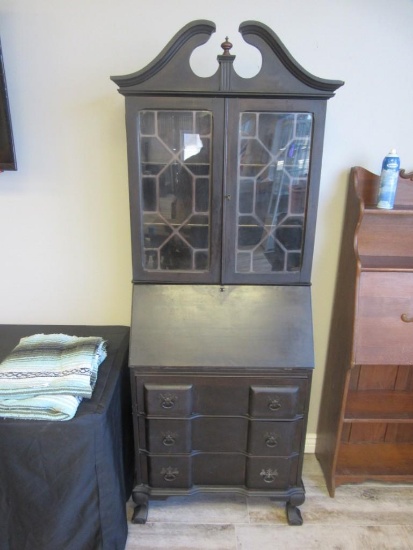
168,401
274,405
169,477
168,441
169,474
271,441
406,319
269,475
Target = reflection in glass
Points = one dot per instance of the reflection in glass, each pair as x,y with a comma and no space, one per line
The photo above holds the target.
175,165
273,174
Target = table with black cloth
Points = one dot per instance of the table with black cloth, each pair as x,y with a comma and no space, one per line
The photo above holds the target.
64,485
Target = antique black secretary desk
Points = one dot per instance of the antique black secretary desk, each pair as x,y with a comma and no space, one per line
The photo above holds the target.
224,175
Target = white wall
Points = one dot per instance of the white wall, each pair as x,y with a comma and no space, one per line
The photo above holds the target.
64,215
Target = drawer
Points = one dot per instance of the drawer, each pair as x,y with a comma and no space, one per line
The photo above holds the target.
183,396
274,402
381,334
271,473
274,438
168,400
181,472
196,434
223,469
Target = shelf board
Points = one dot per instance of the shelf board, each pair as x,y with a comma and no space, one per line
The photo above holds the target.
383,406
378,459
386,263
398,209
388,419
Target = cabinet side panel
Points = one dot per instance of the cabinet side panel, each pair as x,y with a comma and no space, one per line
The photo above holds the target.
339,355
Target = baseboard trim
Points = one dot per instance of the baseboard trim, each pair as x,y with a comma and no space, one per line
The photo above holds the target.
310,442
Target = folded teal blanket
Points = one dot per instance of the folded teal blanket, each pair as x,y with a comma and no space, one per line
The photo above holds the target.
47,375
41,407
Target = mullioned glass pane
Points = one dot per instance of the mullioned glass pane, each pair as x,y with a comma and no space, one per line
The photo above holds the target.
176,159
273,176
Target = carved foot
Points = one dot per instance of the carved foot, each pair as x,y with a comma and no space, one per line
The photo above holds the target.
293,514
140,514
140,498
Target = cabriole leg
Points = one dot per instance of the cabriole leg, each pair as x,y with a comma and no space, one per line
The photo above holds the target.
140,498
294,516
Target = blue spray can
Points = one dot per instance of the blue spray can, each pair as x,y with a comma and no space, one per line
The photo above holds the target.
388,180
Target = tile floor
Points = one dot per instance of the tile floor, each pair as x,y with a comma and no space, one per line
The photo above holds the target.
369,516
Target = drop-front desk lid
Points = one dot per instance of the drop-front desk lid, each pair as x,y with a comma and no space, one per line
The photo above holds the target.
213,326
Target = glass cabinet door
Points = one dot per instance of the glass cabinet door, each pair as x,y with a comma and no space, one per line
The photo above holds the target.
273,167
222,198
176,168
269,182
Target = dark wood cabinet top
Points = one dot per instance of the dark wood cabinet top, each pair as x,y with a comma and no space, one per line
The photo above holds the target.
280,75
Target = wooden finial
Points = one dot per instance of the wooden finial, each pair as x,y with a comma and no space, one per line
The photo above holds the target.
226,46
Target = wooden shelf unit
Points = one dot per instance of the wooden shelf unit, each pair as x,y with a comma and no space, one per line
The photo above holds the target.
365,429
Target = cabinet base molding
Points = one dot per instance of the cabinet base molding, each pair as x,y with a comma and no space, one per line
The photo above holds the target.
293,497
346,478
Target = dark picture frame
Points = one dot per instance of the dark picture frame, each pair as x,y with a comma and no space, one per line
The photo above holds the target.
7,153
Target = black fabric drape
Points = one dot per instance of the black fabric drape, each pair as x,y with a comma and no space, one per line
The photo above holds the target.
64,485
